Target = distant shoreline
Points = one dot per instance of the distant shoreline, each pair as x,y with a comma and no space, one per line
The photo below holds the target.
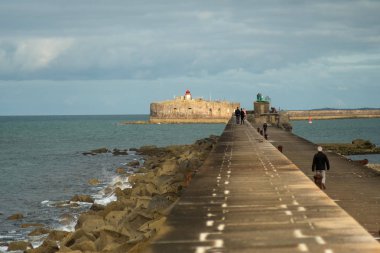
333,114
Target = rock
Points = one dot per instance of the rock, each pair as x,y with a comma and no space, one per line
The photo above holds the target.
97,207
16,216
27,225
78,235
39,231
134,163
119,152
57,235
152,224
120,170
99,151
115,217
84,246
47,246
93,181
363,143
82,198
19,245
90,223
159,203
66,219
169,167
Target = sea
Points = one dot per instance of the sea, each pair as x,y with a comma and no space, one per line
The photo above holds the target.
341,131
42,165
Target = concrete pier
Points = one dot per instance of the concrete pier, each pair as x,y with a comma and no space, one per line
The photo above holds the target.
249,197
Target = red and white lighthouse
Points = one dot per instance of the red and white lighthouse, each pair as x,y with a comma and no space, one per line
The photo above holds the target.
187,95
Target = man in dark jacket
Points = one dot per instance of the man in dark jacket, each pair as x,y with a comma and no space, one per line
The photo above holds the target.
320,165
237,115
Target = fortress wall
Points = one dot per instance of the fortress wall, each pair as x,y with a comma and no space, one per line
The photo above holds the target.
192,109
332,114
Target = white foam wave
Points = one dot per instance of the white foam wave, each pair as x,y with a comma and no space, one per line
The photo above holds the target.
121,182
106,200
68,227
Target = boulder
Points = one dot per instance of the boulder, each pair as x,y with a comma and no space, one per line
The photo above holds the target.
115,217
47,246
57,235
27,225
16,216
120,170
134,163
93,181
99,151
148,150
97,207
66,219
82,198
109,241
39,231
117,152
19,245
363,143
78,235
90,222
169,167
84,246
152,224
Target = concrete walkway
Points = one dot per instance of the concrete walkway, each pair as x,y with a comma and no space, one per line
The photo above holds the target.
354,187
248,197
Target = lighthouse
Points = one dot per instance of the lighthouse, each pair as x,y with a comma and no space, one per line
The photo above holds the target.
187,95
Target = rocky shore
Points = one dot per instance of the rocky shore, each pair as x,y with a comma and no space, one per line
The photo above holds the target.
127,224
357,147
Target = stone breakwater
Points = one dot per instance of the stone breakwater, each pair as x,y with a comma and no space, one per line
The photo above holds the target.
127,224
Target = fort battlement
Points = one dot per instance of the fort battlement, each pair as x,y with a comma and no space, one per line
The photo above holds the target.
185,109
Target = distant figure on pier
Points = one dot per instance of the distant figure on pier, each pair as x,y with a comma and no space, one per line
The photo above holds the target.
320,165
265,126
237,115
242,116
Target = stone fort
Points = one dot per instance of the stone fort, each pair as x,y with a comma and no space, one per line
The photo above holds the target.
186,109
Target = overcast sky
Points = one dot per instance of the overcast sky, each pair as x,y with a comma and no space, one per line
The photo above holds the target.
115,57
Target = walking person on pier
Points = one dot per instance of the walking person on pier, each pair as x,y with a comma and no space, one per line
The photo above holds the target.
242,116
265,126
320,165
237,115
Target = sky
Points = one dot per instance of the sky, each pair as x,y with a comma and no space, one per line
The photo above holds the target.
75,57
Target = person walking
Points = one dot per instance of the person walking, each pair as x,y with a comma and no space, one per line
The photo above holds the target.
265,126
237,115
320,165
242,116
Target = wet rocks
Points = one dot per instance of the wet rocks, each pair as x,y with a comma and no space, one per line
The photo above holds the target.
16,216
116,151
96,151
19,245
39,231
126,225
356,147
27,225
93,181
134,163
82,198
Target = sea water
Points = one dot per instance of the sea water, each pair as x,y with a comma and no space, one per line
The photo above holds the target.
42,165
341,131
